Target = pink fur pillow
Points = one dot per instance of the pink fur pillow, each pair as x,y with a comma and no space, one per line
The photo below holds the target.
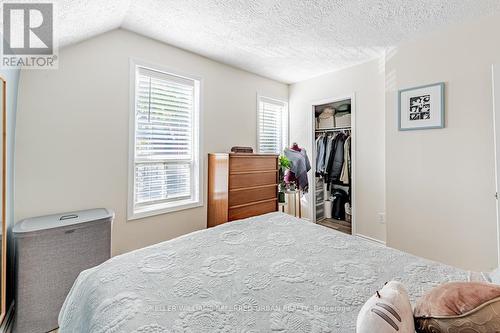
459,307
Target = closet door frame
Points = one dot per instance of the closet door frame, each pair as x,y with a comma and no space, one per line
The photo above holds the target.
312,121
495,72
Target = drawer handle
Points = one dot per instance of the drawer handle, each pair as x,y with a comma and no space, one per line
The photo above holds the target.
68,217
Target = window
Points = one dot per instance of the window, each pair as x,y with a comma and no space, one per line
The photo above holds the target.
272,125
165,167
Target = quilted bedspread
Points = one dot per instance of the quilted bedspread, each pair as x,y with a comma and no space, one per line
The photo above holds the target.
268,273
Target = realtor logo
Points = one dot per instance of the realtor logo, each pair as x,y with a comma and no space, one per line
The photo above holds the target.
28,35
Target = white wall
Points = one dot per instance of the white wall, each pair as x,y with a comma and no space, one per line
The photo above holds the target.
72,130
441,183
367,82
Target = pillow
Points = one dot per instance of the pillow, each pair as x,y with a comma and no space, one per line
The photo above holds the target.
388,311
459,307
479,277
495,276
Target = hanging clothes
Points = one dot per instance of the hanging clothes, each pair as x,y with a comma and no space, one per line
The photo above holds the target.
300,166
331,154
321,150
345,176
329,144
336,159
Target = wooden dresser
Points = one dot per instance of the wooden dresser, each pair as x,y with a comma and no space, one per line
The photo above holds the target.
241,186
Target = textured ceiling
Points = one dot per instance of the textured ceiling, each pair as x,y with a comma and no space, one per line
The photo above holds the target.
287,40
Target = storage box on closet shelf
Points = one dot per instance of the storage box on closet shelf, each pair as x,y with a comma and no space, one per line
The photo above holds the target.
326,119
343,115
343,119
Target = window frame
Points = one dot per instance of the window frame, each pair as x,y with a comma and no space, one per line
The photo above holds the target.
196,200
286,117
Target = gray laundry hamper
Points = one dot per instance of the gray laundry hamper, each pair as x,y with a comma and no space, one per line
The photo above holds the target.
50,253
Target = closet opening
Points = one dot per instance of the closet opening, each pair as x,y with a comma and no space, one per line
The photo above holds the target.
333,160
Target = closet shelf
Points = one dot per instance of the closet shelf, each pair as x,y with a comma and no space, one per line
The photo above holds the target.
333,129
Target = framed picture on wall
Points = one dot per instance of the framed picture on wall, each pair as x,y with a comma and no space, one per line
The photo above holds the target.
421,107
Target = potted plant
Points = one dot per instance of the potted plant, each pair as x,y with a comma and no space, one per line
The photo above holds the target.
284,164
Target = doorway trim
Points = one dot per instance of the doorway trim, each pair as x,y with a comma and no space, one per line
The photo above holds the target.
495,79
312,127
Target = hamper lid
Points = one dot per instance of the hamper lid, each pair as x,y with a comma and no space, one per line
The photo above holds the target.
61,220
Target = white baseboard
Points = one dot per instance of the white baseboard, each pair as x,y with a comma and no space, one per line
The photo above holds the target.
371,239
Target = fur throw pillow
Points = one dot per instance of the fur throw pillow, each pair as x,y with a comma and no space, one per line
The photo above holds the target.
459,307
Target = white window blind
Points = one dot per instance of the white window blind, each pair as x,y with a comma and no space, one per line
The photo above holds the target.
272,125
165,141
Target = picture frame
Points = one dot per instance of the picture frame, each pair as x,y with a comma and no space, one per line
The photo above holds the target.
421,107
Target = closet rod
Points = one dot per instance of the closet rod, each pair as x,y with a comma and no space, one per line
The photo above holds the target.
334,129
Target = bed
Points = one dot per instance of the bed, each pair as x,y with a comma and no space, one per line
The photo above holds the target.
267,273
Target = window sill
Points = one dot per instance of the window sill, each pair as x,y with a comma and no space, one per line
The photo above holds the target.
163,209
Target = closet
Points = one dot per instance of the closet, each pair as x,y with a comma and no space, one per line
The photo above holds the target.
333,164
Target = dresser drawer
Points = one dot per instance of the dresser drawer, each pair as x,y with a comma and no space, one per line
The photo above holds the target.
252,210
243,196
252,163
252,179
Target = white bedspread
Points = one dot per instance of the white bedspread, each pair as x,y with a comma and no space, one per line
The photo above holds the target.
268,273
